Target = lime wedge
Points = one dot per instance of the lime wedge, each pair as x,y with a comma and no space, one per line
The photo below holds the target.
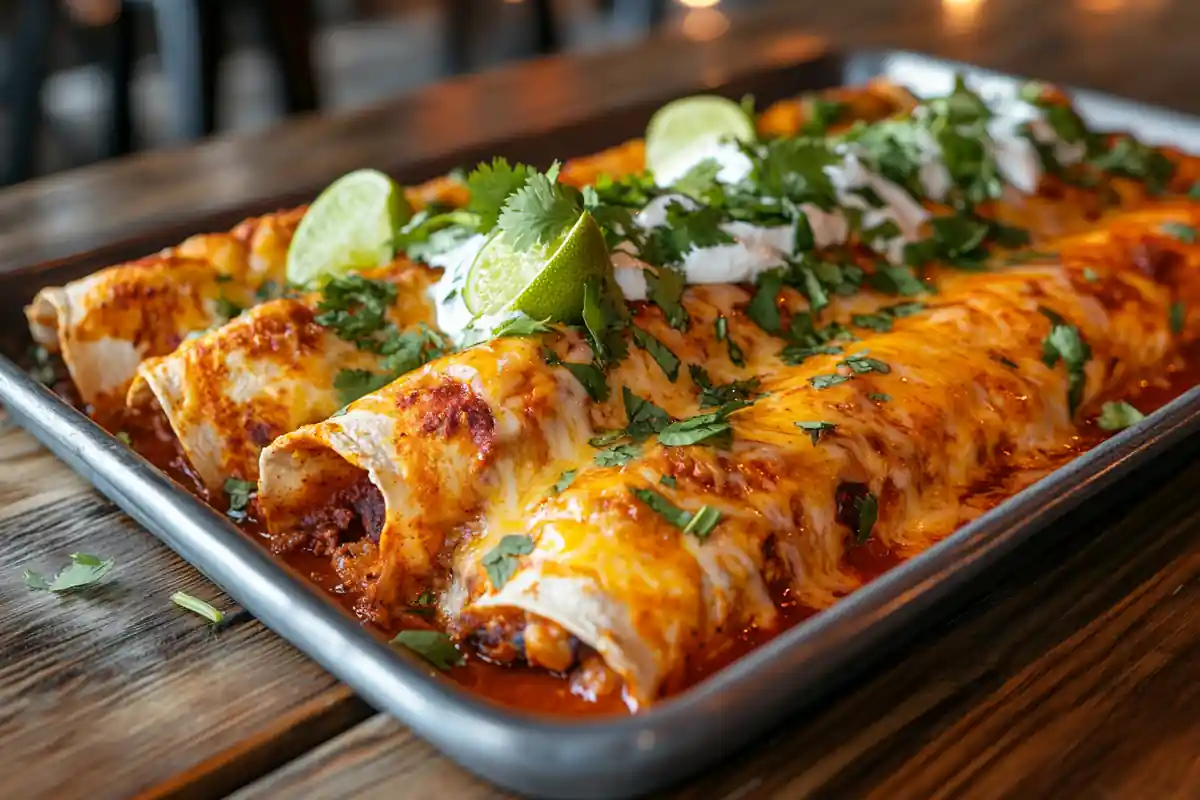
545,282
350,226
682,132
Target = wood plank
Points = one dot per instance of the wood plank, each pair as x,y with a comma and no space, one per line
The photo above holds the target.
1073,677
113,690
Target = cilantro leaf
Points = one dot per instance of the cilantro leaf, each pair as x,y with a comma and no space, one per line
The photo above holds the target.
861,364
644,417
618,456
825,381
816,430
666,360
1178,230
84,570
490,186
699,181
239,493
351,384
604,319
522,325
355,308
662,506
763,307
711,427
593,379
564,480
540,211
1118,416
1177,317
820,114
502,560
879,397
1065,342
665,288
735,353
718,395
896,280
668,481
433,646
868,513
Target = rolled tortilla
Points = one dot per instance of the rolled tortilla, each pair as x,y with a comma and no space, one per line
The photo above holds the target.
232,391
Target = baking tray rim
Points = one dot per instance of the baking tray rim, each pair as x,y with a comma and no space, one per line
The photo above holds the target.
581,757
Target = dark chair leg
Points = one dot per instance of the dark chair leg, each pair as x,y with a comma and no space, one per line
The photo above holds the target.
120,69
30,51
546,27
458,29
288,27
189,40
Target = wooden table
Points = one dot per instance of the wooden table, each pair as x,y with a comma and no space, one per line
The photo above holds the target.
1074,675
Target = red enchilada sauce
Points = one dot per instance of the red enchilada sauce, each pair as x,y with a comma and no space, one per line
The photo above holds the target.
541,691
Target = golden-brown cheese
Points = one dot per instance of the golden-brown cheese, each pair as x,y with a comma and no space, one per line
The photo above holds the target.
230,392
628,583
104,325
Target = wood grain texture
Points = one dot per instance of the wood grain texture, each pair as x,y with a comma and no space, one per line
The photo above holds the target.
112,690
1074,676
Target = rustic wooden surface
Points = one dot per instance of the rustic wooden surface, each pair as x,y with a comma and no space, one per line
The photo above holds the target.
1073,677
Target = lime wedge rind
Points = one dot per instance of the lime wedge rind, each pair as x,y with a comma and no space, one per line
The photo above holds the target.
542,282
351,226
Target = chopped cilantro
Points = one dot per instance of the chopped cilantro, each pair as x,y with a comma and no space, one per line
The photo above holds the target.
1065,342
226,308
868,513
84,570
604,319
1090,275
433,646
763,308
879,397
735,353
564,481
645,418
816,430
1118,416
668,481
1180,231
665,289
239,493
605,438
355,309
820,114
522,325
666,360
699,524
197,606
825,381
618,456
1133,159
711,427
718,395
861,364
1177,317
896,280
502,560
124,438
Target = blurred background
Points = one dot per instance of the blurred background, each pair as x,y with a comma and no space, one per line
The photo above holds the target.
87,80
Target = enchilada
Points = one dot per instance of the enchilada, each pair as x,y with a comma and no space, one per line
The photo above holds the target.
612,502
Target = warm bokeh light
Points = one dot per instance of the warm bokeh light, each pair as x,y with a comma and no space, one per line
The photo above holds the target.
961,16
704,24
698,3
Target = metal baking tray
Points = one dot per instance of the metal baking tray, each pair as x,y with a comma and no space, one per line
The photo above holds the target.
618,756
